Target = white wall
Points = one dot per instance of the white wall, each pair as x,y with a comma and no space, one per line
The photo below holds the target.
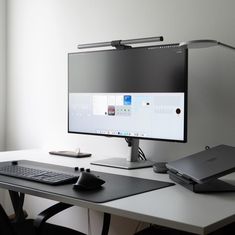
41,33
2,72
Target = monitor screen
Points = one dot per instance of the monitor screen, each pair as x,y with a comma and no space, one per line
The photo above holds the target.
138,93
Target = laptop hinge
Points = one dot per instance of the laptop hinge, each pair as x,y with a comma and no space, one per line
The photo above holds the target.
211,186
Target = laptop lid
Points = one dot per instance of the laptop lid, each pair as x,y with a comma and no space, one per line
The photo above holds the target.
205,165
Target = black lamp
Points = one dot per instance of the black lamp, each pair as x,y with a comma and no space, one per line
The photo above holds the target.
121,43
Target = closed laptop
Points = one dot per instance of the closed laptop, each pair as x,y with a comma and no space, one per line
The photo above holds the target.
206,165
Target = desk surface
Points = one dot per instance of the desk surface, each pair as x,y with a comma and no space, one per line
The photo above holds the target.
174,207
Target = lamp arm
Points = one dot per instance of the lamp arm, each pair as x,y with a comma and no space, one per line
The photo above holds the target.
226,45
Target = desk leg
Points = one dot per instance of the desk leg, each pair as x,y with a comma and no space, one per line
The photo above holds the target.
106,224
17,200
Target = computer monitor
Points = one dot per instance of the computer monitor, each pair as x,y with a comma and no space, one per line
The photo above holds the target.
134,93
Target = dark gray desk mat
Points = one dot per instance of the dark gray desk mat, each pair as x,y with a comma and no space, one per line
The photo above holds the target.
116,186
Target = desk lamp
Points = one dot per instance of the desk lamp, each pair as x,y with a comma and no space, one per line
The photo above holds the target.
189,165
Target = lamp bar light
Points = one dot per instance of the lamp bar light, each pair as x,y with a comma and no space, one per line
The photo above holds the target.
197,44
120,42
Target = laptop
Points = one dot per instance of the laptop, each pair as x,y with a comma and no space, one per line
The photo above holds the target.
206,165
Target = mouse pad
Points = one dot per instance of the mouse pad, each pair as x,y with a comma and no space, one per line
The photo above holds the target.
115,187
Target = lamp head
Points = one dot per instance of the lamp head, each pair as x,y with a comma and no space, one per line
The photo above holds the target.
197,44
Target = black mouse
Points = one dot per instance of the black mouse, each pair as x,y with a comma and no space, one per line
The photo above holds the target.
160,167
88,181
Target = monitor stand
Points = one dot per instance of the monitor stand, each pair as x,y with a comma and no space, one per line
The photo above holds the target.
132,162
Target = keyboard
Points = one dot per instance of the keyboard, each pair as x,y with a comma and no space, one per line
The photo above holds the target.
39,175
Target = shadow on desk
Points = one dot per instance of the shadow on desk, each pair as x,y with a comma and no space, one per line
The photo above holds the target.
159,230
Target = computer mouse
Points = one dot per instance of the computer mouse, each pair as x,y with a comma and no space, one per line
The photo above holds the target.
160,167
88,181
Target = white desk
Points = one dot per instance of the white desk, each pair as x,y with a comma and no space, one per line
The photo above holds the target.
174,207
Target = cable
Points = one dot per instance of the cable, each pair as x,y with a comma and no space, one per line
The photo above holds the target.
128,141
141,155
